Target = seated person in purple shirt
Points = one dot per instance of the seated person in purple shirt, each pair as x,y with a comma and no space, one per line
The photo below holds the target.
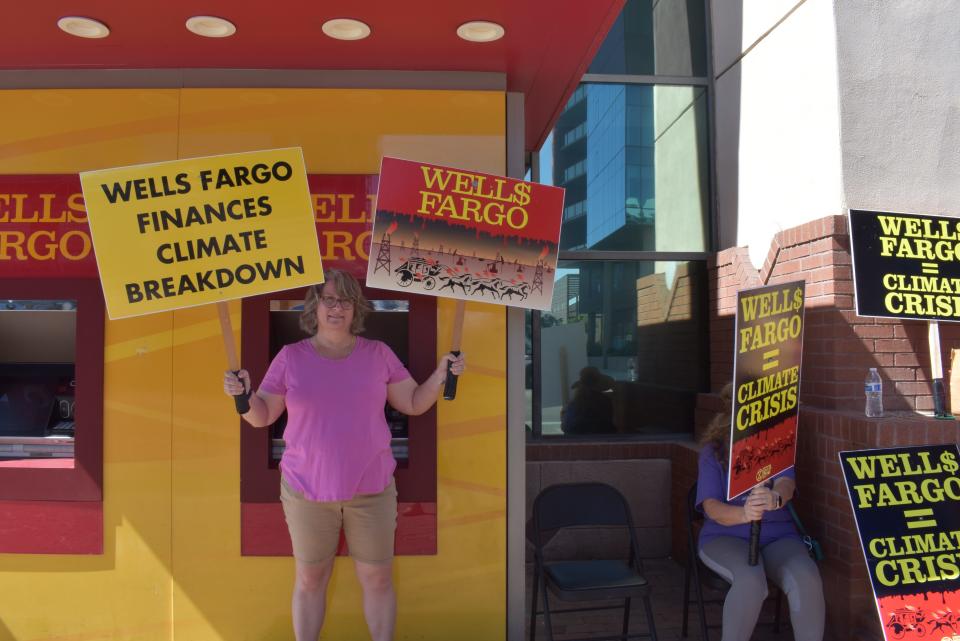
337,468
724,542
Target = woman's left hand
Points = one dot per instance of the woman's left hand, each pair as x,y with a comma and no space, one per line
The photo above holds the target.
457,365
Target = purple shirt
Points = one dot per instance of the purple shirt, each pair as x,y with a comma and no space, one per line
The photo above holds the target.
712,484
337,439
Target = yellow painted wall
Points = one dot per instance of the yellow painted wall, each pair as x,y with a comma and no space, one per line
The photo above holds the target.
171,567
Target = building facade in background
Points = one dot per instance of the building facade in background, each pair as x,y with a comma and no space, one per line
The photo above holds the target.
792,135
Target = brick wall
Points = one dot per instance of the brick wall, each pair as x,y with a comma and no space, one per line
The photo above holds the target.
670,341
839,348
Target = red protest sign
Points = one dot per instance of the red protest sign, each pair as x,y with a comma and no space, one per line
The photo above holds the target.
466,235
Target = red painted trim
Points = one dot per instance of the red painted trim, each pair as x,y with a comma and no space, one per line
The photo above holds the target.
536,133
84,481
416,481
39,463
263,531
51,527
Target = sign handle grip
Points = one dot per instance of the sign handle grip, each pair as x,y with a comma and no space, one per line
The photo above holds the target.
754,553
450,383
241,401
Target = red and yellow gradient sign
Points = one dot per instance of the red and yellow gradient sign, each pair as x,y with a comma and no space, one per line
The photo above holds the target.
464,234
203,230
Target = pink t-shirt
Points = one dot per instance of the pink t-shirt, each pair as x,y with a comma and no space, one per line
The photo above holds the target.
337,439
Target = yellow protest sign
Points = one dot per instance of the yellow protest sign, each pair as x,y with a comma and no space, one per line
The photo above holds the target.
203,230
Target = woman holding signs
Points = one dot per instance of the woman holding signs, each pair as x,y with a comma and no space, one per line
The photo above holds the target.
724,542
337,468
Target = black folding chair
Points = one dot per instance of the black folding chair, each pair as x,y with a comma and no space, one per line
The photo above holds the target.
701,575
586,505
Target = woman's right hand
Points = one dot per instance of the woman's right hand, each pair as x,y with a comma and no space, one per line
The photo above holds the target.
234,386
757,503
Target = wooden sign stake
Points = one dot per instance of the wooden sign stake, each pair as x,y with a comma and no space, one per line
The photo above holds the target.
240,400
450,386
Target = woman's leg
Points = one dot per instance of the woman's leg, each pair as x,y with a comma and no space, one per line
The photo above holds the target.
310,598
789,565
314,532
727,556
379,598
369,523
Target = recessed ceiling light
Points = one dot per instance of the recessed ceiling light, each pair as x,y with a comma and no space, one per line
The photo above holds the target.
211,26
83,27
480,31
346,29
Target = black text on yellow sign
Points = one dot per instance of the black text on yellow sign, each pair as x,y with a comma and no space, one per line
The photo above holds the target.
906,265
202,230
43,227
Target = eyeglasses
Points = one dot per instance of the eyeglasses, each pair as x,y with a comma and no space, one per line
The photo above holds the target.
332,301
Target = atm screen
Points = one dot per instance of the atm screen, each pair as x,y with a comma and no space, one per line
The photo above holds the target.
35,398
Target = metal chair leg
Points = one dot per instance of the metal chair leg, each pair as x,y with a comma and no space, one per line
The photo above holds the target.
533,601
546,609
626,617
698,589
686,600
777,608
650,624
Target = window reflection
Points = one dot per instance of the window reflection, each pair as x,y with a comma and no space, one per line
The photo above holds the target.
633,160
666,37
623,348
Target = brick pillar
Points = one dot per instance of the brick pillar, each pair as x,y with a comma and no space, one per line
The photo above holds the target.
839,348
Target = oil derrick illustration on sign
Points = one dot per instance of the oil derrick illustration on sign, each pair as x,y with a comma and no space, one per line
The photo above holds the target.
466,235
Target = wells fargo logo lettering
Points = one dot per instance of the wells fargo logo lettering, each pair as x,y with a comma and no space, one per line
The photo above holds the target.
906,265
466,235
190,232
769,346
44,231
906,502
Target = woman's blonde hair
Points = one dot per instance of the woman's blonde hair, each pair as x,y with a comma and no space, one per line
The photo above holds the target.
718,431
347,288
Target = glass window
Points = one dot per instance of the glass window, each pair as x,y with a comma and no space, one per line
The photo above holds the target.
623,349
634,162
388,322
37,378
666,38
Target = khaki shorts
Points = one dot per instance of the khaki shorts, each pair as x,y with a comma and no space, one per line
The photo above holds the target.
368,521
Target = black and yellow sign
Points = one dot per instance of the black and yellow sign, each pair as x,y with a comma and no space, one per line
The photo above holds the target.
203,230
769,346
906,265
906,502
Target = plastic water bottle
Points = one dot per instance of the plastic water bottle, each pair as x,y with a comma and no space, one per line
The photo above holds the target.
873,389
